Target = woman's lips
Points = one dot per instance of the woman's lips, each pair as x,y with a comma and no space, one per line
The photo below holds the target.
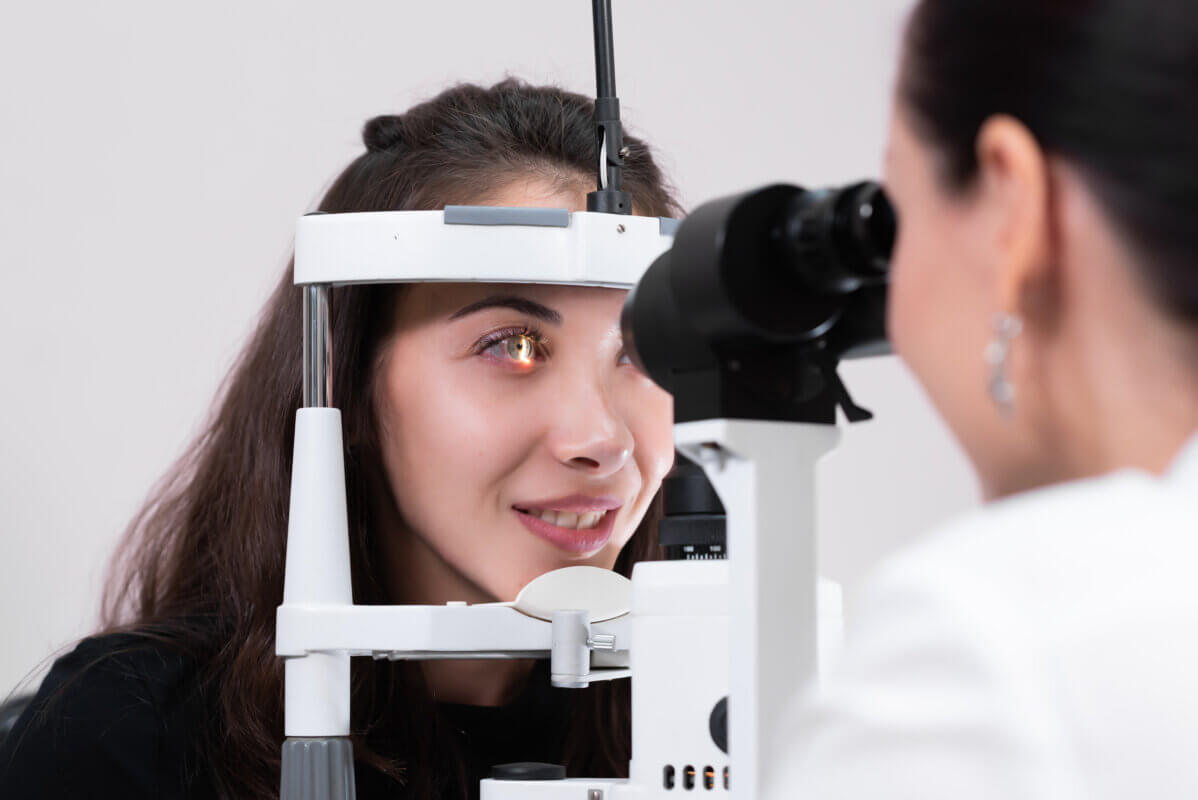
573,502
571,540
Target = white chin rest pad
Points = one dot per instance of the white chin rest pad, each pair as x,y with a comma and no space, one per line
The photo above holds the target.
601,592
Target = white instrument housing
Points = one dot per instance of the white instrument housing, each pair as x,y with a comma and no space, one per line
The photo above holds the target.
488,244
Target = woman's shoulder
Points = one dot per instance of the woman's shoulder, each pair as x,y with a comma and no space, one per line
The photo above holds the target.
127,669
118,714
127,654
1053,520
1055,559
995,657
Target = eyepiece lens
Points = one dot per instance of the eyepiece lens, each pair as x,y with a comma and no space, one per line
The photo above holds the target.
874,225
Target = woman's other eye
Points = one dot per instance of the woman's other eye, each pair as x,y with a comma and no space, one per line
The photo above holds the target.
625,360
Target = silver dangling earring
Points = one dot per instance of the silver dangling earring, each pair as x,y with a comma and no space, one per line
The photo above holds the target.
1002,391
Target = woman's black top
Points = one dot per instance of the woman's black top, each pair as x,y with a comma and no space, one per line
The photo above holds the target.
118,717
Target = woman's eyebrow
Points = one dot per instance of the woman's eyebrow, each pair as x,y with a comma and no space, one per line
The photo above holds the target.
521,304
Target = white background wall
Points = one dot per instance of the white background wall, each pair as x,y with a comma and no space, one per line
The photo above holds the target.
154,157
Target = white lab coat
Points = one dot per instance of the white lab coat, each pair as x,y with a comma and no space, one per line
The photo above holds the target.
1042,647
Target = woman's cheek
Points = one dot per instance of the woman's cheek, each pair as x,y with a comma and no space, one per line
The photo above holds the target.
900,298
916,329
460,429
653,434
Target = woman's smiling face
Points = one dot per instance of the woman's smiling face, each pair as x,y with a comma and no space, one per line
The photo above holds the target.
516,436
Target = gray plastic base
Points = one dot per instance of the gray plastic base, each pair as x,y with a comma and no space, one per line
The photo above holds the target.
318,769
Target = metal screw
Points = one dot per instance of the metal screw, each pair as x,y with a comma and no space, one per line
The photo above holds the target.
619,229
595,794
624,151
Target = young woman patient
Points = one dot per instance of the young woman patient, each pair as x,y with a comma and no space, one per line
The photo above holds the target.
493,433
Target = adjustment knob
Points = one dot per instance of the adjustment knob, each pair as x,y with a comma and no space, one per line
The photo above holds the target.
717,723
528,771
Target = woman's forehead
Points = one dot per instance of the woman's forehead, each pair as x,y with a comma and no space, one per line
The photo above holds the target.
427,302
539,191
448,294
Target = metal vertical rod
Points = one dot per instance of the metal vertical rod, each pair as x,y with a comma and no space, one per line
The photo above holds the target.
605,64
610,197
318,344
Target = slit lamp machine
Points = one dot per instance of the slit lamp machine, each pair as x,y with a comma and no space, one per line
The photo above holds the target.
742,311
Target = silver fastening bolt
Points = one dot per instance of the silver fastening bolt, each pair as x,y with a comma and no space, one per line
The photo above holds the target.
595,794
619,229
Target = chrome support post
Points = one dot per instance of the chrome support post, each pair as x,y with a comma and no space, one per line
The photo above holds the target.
318,344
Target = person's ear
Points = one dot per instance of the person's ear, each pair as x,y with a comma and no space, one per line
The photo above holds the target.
1015,188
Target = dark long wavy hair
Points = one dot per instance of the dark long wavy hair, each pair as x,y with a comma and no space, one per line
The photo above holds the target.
201,566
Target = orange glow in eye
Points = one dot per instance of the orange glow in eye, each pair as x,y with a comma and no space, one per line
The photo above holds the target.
520,349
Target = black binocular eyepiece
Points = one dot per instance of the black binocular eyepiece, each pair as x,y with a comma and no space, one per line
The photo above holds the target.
758,298
838,240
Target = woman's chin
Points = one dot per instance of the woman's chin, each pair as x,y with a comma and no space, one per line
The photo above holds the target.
527,557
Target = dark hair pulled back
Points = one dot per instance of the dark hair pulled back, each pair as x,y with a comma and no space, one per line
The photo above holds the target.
201,569
1109,85
383,133
460,146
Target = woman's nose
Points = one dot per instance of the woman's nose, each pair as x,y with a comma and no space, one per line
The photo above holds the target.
590,434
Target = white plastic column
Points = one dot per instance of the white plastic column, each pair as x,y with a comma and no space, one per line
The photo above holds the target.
316,693
680,671
764,472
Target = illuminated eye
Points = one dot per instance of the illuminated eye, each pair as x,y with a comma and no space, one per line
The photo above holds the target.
520,348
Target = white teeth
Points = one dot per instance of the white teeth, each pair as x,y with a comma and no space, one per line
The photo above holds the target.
576,520
589,520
